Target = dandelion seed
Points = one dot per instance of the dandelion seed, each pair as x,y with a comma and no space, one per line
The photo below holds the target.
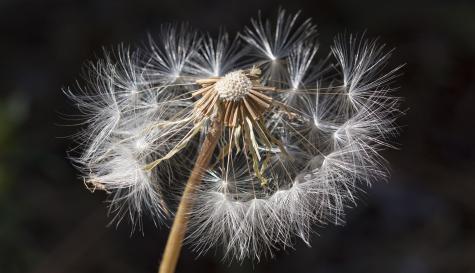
279,146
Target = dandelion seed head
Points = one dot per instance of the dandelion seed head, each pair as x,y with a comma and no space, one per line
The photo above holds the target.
298,142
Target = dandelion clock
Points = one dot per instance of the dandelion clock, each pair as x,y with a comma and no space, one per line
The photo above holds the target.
246,142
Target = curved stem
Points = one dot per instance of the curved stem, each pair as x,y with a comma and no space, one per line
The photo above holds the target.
177,233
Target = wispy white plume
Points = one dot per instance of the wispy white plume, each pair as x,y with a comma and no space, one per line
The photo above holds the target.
297,146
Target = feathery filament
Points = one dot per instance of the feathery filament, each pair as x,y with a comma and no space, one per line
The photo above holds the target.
300,137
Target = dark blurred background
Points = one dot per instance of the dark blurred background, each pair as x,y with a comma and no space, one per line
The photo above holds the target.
423,220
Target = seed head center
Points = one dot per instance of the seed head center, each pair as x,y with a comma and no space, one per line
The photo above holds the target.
233,86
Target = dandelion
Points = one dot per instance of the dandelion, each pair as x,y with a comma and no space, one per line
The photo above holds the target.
278,140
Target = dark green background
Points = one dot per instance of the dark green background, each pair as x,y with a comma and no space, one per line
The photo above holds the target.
423,220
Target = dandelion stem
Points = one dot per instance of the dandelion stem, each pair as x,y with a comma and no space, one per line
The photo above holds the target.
177,232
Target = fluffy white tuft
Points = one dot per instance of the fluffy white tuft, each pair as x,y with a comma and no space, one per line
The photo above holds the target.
141,133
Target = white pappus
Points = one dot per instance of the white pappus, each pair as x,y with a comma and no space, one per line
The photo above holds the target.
300,137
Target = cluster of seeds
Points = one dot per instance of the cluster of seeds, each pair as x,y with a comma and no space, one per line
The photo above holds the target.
233,86
301,134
